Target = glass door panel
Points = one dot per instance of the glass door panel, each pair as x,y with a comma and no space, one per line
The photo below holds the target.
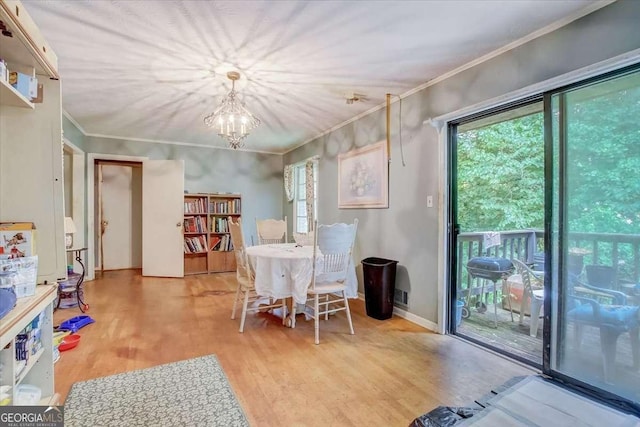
498,214
593,233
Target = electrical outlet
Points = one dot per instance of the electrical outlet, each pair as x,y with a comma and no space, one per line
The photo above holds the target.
429,201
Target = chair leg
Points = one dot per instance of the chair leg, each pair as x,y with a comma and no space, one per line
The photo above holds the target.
292,316
635,347
346,304
284,311
523,304
235,302
577,335
244,309
316,317
504,282
536,306
326,307
608,341
495,305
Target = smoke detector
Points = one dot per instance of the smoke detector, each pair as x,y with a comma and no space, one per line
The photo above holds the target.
352,97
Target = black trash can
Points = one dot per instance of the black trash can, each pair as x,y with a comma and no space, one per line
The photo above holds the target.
379,286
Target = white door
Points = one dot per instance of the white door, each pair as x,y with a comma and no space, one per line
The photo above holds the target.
121,216
162,210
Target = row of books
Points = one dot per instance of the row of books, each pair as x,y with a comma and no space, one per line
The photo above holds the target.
195,244
194,206
219,225
196,224
221,243
225,207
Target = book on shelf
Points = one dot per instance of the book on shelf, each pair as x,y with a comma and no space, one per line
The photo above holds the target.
195,224
223,244
219,225
225,207
215,241
195,244
194,206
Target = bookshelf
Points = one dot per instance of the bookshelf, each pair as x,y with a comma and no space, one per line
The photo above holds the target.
221,207
207,242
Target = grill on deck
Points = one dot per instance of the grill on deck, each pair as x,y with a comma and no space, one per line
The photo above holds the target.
489,268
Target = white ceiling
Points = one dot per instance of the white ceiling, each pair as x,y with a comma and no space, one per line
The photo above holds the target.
154,69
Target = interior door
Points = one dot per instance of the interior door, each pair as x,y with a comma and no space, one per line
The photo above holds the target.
162,210
121,214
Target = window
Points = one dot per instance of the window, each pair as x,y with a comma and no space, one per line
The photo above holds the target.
301,224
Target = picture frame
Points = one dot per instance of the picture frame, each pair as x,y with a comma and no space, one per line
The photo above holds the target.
363,178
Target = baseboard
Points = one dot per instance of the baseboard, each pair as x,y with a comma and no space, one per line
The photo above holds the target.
420,321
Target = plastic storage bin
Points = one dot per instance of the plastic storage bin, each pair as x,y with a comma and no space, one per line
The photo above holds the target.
379,286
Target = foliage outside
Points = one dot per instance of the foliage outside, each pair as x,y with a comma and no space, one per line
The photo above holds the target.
501,169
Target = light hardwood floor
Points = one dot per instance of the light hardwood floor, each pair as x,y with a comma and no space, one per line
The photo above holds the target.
386,374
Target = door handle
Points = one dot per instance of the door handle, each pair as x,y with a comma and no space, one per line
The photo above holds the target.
179,224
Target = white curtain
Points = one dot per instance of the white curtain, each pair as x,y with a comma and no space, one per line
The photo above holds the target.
288,182
310,193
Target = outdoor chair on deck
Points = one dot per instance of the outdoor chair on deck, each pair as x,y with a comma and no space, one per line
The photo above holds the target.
601,276
271,231
246,291
611,319
532,290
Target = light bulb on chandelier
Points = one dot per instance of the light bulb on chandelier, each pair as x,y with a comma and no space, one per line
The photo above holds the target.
231,119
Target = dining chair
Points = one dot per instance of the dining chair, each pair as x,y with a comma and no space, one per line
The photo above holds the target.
533,291
271,231
332,247
246,291
303,239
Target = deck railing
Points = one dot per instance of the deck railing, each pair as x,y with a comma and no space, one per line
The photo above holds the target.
619,250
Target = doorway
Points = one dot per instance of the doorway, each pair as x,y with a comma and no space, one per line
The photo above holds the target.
498,215
119,215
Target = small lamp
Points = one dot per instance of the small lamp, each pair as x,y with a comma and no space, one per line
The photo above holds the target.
69,230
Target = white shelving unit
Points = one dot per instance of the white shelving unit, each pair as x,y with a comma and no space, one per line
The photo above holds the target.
31,174
39,368
10,96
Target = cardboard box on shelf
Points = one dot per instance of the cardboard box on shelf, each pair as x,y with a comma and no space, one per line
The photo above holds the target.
17,239
26,85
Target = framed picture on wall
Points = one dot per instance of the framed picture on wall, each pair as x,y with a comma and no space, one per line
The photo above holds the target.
363,177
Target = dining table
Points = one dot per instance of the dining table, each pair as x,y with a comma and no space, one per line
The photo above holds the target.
284,271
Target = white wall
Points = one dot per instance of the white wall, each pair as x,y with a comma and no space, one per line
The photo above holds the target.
257,176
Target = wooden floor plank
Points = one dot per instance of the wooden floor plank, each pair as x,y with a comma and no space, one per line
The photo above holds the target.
387,374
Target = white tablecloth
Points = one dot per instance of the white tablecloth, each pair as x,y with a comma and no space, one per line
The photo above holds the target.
284,270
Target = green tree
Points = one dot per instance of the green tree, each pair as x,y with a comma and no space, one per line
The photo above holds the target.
501,175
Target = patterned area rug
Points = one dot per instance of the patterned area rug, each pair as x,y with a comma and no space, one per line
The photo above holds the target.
192,392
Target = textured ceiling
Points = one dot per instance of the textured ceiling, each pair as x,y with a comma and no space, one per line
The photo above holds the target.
154,69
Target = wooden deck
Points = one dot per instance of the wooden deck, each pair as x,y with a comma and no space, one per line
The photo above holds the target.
583,362
508,336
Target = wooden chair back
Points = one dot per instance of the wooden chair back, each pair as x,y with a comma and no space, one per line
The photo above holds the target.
271,231
333,244
243,269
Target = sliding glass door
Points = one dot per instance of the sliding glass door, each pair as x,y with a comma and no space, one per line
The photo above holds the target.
592,235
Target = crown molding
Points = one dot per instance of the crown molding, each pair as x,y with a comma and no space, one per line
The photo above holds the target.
72,120
180,143
484,58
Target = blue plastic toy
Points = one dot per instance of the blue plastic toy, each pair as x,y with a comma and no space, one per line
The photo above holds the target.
75,323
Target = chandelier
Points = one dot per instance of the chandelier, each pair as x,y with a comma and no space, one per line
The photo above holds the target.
231,119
